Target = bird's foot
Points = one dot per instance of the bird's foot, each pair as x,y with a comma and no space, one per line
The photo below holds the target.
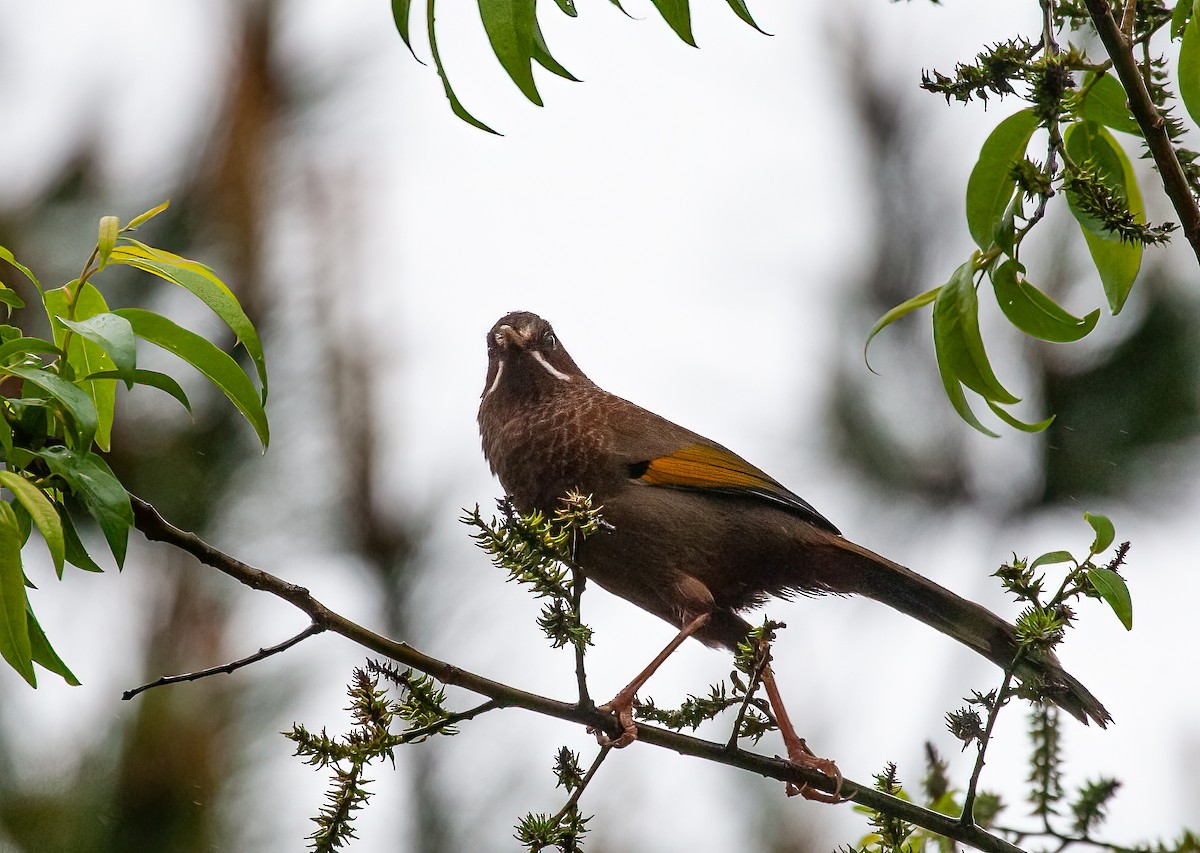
621,707
800,755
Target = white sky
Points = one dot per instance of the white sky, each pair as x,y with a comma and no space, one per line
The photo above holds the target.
684,218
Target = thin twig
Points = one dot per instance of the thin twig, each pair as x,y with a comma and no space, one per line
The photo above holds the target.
450,720
156,528
578,584
583,783
1151,122
760,664
226,669
968,809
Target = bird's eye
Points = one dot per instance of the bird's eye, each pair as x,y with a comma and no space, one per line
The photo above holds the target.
549,341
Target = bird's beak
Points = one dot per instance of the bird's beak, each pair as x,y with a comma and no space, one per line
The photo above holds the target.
506,336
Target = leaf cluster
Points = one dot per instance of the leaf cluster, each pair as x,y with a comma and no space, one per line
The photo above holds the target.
58,408
538,553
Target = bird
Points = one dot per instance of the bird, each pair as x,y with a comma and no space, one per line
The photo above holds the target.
694,533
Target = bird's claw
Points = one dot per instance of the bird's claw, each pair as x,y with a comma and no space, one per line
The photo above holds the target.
800,755
622,708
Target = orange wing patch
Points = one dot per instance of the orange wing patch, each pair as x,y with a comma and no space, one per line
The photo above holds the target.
701,466
709,468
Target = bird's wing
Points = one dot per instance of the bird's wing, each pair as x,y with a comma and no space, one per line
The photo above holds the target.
703,466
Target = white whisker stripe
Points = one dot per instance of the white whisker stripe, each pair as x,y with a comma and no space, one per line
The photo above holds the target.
551,369
496,381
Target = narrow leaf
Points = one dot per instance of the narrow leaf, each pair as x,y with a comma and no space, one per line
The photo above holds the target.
114,335
509,25
209,359
541,53
954,393
1051,558
957,341
903,309
14,627
10,297
1016,423
95,485
1112,588
110,227
26,346
86,356
6,255
401,10
76,404
1116,261
455,105
143,218
75,552
991,186
204,284
568,7
1189,67
1105,533
153,379
1106,103
678,14
43,513
43,653
1032,311
740,9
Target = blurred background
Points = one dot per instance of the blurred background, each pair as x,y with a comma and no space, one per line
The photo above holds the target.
712,232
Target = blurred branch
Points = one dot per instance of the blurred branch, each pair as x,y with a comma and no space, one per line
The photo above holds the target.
1149,119
226,669
156,528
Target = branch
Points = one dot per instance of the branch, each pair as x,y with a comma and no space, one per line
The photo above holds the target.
227,668
155,528
1153,126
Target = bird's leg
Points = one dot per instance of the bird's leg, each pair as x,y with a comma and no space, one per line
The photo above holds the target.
621,705
798,751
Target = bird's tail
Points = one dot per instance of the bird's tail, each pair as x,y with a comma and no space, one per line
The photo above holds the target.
864,572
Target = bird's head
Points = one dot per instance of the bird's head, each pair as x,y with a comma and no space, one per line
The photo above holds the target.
525,357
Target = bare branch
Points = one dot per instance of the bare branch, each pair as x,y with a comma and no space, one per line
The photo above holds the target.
156,528
226,669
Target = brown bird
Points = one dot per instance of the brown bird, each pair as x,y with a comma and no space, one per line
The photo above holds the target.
697,533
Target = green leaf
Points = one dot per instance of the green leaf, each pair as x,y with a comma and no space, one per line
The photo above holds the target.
1016,423
76,404
203,283
110,227
956,338
26,346
1112,589
678,14
1189,67
143,218
1116,261
1032,311
541,53
1106,103
43,513
209,359
568,7
6,255
43,653
6,437
509,25
86,356
401,10
75,552
1105,533
10,297
14,627
740,9
152,378
904,308
954,393
1051,558
455,105
991,185
114,335
95,485
1179,18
